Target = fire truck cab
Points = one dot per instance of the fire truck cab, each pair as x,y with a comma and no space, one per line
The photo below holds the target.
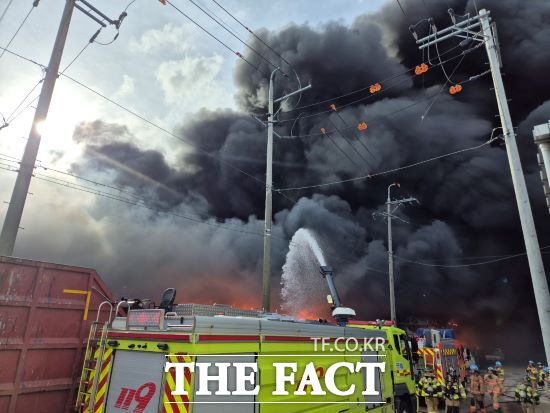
124,369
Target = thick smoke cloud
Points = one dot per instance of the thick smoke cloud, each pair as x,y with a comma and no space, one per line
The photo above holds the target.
467,201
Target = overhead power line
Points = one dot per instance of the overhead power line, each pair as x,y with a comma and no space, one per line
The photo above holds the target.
222,25
402,9
349,143
474,264
155,125
215,37
135,202
389,171
5,10
252,33
34,5
13,115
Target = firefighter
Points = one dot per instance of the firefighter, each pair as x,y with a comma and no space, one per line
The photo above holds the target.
493,387
477,390
430,388
527,395
532,373
541,379
499,370
454,392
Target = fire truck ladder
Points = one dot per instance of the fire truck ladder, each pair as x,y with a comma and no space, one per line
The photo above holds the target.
93,359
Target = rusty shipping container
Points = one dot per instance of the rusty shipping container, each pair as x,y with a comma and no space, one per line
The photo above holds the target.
44,324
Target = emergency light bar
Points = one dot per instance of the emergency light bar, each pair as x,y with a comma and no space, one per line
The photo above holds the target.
145,318
385,323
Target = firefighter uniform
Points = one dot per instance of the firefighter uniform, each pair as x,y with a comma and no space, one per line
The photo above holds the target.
541,378
532,374
477,390
499,370
454,392
432,391
527,396
493,387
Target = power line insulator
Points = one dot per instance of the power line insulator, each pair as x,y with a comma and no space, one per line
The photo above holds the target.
323,131
163,2
333,107
377,87
362,126
453,90
420,69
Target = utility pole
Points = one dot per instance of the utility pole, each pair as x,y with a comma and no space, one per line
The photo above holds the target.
389,214
541,133
390,255
266,295
487,35
22,183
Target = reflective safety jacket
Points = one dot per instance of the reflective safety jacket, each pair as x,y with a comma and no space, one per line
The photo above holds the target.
500,373
477,385
526,394
429,387
542,377
454,390
492,384
532,372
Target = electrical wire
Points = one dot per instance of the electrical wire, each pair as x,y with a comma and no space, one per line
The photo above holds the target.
234,35
153,124
327,134
443,87
215,38
5,10
137,203
349,143
128,5
13,116
475,257
401,7
389,171
34,5
475,264
252,33
354,133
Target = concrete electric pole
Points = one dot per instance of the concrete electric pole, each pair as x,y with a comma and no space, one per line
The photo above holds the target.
541,133
21,188
486,35
266,280
391,207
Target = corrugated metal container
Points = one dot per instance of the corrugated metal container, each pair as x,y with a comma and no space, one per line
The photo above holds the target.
43,332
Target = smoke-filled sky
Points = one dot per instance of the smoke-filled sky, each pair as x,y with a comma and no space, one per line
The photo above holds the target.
175,75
